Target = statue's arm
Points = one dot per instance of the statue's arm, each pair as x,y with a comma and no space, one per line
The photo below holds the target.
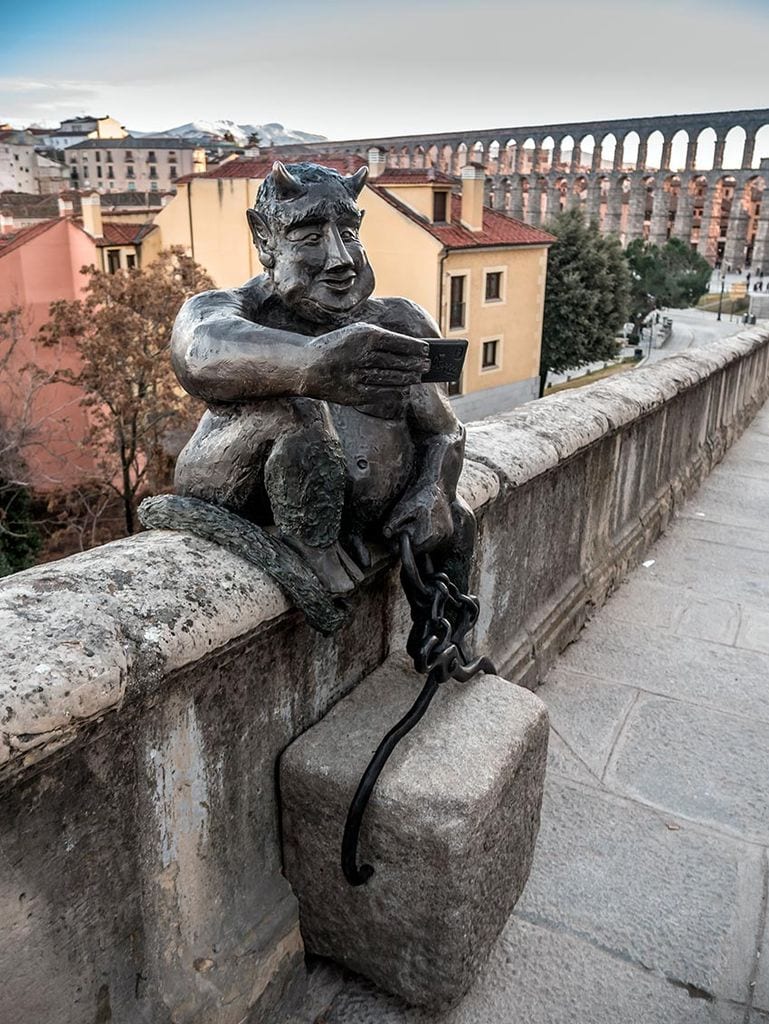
220,354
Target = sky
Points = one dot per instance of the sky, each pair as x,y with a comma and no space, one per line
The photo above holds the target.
347,70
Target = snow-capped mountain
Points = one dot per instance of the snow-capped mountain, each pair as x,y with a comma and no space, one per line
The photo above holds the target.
272,134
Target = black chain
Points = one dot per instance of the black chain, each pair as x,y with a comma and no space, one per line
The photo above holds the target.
443,616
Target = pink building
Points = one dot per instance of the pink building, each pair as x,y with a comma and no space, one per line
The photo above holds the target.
39,265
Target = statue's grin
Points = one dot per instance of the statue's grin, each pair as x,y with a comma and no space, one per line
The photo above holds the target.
339,285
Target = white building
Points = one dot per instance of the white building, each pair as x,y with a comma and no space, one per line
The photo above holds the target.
18,162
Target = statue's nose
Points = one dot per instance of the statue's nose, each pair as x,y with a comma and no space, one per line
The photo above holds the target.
337,256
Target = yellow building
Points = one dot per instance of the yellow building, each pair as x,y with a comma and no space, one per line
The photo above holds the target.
480,273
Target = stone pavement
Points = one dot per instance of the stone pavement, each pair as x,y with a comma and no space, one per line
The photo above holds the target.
647,900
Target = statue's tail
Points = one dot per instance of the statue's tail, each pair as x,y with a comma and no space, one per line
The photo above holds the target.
244,538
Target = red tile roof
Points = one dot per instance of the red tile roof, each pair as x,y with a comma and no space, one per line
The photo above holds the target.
498,229
414,176
122,234
11,242
260,167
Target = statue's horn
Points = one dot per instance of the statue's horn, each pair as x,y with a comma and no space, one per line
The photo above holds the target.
355,182
287,185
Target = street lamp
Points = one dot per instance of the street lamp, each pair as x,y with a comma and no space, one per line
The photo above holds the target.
721,296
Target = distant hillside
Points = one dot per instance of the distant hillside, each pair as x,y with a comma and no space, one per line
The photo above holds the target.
272,134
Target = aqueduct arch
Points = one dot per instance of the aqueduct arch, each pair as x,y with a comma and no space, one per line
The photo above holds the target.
654,177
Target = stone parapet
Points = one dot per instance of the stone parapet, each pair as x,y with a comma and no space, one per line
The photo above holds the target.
149,687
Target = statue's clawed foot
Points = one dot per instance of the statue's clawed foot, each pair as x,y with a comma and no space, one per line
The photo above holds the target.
332,565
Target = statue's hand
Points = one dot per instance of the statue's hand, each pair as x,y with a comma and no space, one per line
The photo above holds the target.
362,363
425,515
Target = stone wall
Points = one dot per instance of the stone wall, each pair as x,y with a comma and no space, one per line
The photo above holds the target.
148,688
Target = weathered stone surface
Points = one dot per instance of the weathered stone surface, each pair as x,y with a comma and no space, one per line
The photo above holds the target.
682,902
540,976
450,829
694,762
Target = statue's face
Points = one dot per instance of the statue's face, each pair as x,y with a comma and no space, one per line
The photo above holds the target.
320,267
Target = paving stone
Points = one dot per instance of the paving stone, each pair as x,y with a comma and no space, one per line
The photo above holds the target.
712,570
586,714
694,527
681,902
754,630
450,829
564,762
540,976
693,761
743,501
673,608
708,674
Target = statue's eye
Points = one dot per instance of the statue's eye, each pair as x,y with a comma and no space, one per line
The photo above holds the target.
310,239
348,235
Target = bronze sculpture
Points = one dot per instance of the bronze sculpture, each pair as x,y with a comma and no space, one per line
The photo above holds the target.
326,433
318,420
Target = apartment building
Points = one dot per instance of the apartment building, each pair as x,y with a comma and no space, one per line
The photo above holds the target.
429,237
148,164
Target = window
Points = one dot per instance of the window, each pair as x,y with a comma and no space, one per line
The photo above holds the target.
98,157
489,355
98,171
130,260
113,260
111,173
439,207
109,157
494,286
153,186
129,156
457,302
153,172
131,186
151,157
129,173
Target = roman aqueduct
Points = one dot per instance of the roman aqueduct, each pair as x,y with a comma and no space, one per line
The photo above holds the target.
697,177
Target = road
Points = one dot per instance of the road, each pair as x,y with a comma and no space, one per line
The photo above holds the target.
693,328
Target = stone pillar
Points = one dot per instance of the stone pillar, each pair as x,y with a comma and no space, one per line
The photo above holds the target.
736,235
707,245
556,157
718,152
573,200
517,159
682,225
691,155
636,211
536,158
597,154
641,159
658,228
667,145
553,200
619,155
593,201
747,152
534,207
516,198
576,158
760,259
613,220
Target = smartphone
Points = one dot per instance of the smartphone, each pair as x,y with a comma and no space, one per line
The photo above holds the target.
447,356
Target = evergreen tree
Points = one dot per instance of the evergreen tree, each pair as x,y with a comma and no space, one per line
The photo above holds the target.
587,294
673,276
